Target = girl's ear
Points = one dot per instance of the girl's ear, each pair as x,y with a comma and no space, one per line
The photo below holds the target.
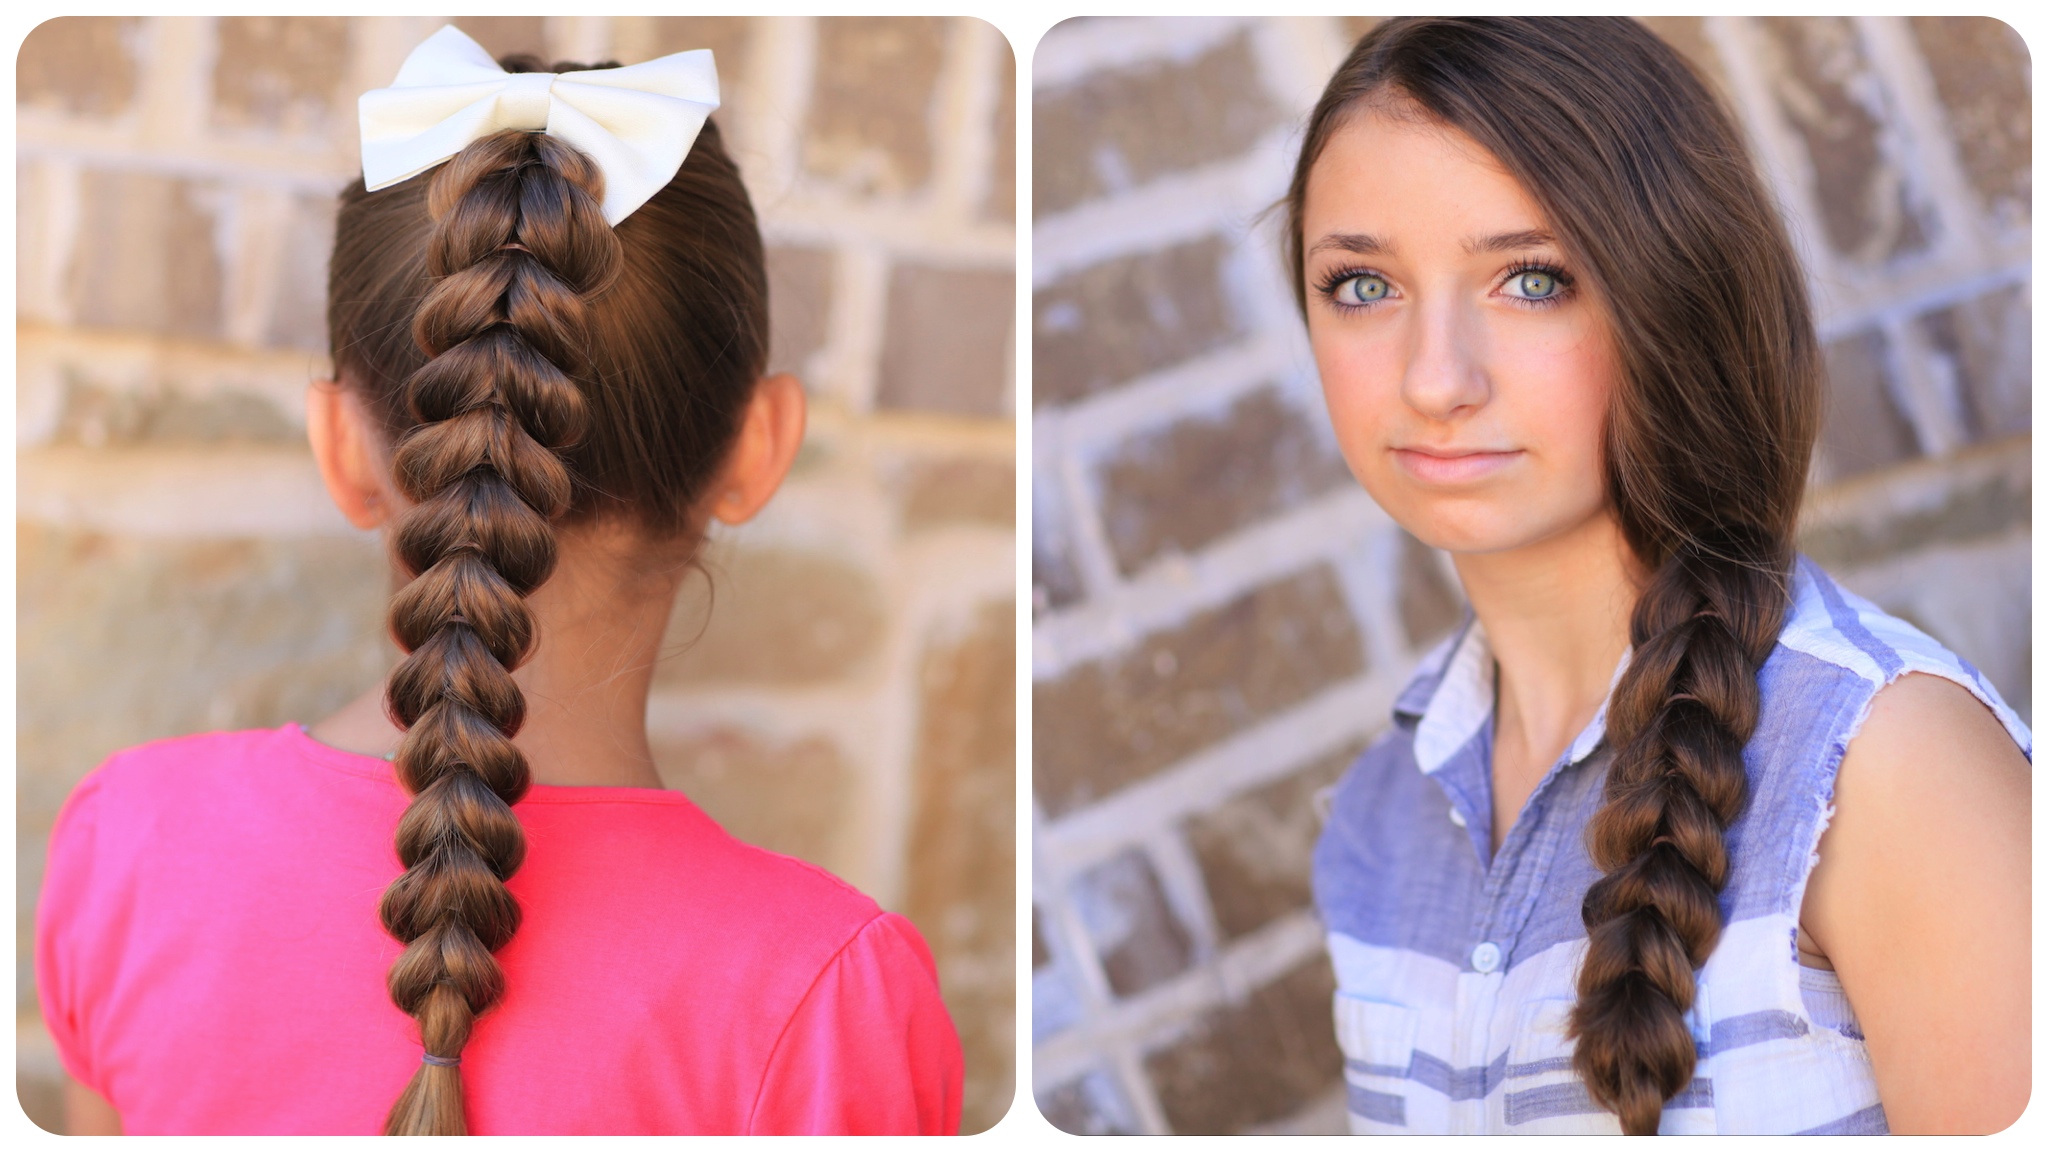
771,431
345,448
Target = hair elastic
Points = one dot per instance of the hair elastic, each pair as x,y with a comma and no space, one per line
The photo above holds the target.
441,1061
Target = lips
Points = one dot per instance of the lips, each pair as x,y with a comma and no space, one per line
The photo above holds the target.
1452,465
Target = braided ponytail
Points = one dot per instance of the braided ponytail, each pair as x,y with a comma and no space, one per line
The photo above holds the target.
1645,179
518,244
1681,713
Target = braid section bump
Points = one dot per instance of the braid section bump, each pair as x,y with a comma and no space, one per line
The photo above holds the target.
1682,712
517,248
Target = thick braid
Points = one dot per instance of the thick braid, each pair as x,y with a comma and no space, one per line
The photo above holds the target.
1683,710
518,244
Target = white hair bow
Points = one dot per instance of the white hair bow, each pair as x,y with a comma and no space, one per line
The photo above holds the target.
637,122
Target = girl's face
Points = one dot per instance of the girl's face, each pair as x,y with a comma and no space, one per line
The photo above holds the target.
1466,366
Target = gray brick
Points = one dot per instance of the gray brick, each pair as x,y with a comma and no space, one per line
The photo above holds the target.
1115,130
1981,70
1190,484
1825,89
946,344
1254,1062
1986,345
1125,317
1108,724
146,256
1863,428
1141,942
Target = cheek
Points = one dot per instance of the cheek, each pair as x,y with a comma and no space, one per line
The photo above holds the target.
1573,411
1360,382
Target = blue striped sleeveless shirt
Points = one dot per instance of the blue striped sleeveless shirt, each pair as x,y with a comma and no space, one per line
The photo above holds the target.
1456,966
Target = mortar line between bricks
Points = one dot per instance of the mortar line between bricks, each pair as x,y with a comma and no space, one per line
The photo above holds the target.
1142,403
1151,1019
1114,44
1223,197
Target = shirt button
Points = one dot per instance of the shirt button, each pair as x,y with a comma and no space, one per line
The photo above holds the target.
1457,818
1486,957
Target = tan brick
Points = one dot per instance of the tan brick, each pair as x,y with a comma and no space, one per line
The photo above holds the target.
298,315
946,347
1254,1062
1194,482
1117,130
282,73
963,860
124,640
1821,79
1255,849
508,35
1987,345
1688,35
785,796
1140,940
777,616
959,490
1981,70
869,124
95,417
1125,317
1113,722
41,1099
1430,605
1989,495
1863,428
1355,27
799,305
146,257
84,65
1001,201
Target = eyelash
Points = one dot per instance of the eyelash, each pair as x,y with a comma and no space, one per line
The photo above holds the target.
1332,280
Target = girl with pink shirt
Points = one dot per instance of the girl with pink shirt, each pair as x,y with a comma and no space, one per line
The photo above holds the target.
464,903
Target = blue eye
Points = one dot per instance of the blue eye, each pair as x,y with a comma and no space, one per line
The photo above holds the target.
1364,288
1533,284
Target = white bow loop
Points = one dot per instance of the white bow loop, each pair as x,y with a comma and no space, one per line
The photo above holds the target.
636,122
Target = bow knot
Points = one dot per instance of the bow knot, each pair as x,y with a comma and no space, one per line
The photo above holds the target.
637,122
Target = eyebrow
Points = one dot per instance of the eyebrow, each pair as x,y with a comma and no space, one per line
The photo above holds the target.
1367,244
1510,241
1358,243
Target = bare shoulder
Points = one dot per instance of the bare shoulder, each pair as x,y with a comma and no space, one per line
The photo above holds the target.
1920,902
1927,734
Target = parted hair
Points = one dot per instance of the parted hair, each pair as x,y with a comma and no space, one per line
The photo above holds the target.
533,367
1646,182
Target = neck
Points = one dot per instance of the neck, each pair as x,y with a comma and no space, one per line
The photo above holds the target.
600,620
1556,615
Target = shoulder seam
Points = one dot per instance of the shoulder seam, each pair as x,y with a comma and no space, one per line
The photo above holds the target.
767,1066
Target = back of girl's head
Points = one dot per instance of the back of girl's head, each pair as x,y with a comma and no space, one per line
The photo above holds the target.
532,366
676,341
1645,182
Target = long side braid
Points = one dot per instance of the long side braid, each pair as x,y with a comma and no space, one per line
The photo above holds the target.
1683,710
518,243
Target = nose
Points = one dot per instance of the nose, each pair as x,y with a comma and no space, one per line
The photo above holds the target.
1446,375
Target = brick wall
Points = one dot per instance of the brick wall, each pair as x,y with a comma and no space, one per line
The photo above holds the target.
1222,616
851,699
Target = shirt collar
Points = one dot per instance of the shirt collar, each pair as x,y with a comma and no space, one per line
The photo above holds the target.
1449,700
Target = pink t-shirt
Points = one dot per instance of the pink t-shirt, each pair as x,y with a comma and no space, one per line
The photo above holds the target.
210,960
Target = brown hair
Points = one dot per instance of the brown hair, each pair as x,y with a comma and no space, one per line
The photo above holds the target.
534,367
1646,182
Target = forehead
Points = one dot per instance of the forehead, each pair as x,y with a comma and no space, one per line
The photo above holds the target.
1396,176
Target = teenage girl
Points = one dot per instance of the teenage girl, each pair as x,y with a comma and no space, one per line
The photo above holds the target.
1675,834
464,902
